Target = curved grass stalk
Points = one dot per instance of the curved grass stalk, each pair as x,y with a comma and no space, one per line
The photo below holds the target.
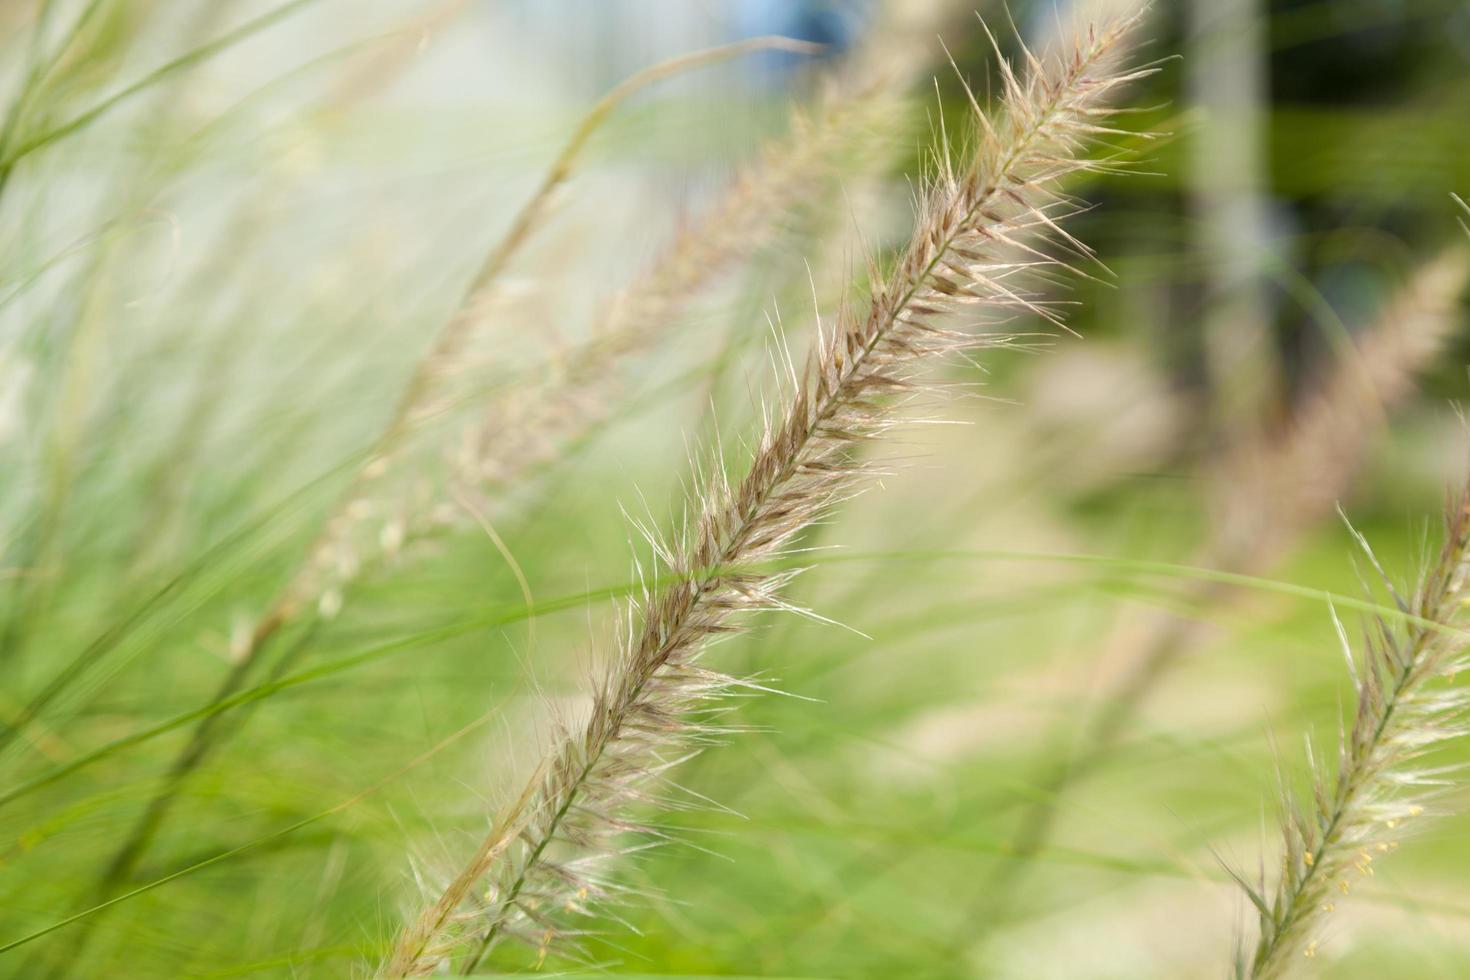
420,399
418,402
10,155
974,251
527,425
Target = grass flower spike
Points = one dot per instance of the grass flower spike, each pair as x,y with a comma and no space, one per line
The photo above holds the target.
1357,808
975,254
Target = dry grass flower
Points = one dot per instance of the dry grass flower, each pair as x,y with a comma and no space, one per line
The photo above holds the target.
1405,709
974,253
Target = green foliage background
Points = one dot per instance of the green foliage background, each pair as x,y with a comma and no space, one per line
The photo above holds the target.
216,273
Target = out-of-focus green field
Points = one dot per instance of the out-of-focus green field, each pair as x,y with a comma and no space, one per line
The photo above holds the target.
225,243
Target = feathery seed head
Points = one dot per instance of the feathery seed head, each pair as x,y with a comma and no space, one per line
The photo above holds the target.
1357,809
975,257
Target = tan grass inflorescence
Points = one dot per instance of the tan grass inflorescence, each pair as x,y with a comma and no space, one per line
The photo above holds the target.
1357,808
975,253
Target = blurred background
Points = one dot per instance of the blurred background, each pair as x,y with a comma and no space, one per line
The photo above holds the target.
269,544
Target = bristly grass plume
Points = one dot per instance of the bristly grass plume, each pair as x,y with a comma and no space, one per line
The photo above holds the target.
1405,709
977,253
